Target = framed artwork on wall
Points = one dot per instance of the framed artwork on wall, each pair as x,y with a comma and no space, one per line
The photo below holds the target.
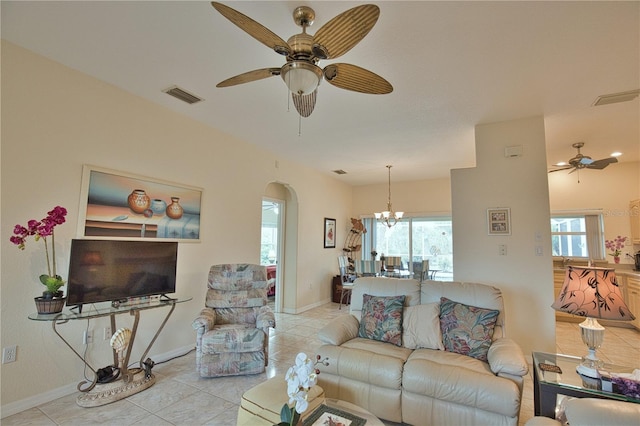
499,221
329,233
119,205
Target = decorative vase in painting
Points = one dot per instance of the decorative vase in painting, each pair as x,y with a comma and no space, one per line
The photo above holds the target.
175,210
616,259
138,201
158,206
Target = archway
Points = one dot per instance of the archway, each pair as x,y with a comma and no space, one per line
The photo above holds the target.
286,267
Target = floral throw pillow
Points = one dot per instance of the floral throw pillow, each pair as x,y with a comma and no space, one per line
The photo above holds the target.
382,318
466,330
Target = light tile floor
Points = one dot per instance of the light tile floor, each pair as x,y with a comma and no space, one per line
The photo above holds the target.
181,397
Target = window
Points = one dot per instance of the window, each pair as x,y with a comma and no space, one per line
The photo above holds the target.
577,235
271,222
414,239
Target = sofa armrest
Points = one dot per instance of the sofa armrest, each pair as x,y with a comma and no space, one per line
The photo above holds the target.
506,358
265,318
592,411
542,421
204,321
339,330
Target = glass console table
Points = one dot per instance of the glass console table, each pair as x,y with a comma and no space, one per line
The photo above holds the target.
130,380
547,384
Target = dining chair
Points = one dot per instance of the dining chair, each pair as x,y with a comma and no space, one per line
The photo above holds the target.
345,279
368,268
392,263
425,270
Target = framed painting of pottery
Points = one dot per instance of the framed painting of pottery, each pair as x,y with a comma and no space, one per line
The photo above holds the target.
119,205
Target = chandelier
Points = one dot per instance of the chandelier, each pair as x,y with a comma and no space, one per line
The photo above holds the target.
389,217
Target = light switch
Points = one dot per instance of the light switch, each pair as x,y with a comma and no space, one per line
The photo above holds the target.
502,249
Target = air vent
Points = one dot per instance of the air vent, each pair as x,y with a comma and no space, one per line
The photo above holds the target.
614,98
183,95
340,172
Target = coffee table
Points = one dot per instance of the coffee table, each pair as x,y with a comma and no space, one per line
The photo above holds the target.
261,404
548,385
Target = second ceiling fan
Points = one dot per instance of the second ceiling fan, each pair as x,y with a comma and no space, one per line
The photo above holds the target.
302,51
581,161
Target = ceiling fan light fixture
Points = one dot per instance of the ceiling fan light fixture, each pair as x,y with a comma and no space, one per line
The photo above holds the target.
301,77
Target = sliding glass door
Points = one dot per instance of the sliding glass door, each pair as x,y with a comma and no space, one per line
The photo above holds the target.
414,239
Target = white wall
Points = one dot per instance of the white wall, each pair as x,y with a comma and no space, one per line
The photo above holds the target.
415,197
54,120
520,183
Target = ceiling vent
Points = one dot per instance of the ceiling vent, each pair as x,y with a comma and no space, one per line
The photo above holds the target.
614,98
183,95
340,172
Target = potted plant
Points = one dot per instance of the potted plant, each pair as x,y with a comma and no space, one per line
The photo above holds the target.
51,300
615,246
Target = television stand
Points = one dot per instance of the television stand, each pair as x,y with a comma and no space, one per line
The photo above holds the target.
164,297
131,380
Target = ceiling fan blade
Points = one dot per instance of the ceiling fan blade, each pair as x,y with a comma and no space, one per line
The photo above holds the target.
253,28
601,164
352,77
304,103
340,34
249,76
557,170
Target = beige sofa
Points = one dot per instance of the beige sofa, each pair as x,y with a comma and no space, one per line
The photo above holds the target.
416,385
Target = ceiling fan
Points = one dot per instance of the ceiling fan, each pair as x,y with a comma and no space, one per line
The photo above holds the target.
302,51
581,161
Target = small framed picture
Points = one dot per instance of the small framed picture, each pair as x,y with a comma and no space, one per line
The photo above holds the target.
329,233
499,221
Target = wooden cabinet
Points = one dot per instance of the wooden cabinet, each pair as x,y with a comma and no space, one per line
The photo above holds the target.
634,216
633,299
336,291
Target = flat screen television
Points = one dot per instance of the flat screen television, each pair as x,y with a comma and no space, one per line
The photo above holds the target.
114,270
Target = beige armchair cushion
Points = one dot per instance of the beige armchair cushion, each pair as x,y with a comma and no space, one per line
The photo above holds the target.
421,327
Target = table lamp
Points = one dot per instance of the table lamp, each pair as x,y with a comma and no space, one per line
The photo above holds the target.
592,293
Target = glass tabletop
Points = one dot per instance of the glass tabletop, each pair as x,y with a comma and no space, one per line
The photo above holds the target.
101,310
570,379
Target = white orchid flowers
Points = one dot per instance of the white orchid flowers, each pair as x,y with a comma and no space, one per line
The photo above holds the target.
300,378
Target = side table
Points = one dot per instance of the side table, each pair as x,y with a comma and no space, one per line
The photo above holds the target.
547,385
131,380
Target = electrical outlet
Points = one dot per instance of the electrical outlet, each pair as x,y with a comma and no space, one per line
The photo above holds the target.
9,354
106,333
87,337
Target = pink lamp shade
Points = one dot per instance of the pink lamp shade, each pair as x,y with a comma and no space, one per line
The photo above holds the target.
592,292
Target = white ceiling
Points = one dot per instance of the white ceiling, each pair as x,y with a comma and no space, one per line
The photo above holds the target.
453,65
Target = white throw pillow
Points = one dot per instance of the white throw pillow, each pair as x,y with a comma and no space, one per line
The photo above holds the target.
421,327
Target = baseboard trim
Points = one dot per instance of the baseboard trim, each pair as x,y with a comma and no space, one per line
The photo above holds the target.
42,398
306,308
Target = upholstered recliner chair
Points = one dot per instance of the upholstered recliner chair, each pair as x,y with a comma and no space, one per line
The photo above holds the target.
233,330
